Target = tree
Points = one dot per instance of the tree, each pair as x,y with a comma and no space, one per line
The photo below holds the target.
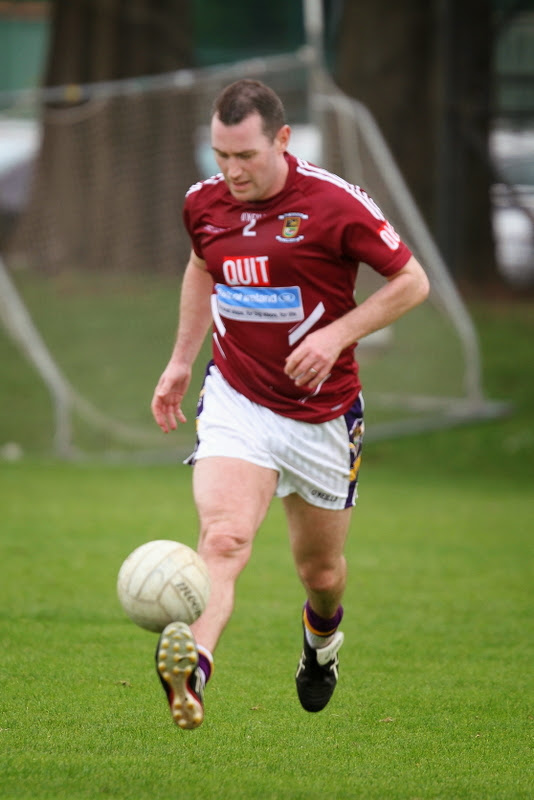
105,159
424,70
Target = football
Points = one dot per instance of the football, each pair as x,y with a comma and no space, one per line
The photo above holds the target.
163,581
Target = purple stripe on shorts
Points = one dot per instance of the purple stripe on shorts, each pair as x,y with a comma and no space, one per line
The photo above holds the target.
355,428
200,405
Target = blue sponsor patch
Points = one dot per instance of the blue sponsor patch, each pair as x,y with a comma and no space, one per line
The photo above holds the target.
260,303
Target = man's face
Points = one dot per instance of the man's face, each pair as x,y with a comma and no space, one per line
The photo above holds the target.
254,168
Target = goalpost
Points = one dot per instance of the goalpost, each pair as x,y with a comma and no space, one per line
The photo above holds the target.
400,208
90,265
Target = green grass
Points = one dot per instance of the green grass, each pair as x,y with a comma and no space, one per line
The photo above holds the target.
110,335
435,698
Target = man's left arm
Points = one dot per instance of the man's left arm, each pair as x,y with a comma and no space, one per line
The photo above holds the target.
312,361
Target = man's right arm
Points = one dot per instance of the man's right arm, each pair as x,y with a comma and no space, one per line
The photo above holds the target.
194,322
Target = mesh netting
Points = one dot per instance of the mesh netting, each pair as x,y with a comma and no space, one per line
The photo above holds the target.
91,235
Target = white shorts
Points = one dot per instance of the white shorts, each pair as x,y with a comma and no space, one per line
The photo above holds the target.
320,462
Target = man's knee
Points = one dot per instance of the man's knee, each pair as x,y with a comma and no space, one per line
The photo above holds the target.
322,578
225,541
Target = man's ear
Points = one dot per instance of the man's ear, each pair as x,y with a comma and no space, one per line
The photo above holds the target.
282,138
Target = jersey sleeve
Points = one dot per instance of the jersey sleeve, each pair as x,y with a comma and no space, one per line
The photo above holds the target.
188,216
370,238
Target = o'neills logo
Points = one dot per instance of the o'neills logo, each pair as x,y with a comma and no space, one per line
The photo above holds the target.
290,227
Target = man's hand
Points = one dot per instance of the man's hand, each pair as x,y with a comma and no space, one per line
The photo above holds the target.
311,362
168,396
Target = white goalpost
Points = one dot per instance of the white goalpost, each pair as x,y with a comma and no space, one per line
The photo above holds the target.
66,401
90,270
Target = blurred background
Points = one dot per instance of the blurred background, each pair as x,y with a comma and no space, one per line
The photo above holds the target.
104,112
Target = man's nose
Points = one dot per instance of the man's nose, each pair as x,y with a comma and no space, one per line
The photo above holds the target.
234,168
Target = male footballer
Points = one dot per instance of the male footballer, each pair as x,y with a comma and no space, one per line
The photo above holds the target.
276,245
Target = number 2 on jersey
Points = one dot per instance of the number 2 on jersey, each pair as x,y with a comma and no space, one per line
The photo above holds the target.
247,230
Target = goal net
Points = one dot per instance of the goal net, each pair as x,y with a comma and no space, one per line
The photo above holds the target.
92,180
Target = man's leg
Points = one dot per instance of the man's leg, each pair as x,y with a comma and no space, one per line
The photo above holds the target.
318,538
232,497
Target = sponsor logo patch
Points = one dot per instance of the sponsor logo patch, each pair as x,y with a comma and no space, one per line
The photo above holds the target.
260,304
389,235
246,270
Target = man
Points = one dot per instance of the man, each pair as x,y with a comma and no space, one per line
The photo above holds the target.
276,244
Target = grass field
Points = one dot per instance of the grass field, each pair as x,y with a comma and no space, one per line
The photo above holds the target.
110,335
435,699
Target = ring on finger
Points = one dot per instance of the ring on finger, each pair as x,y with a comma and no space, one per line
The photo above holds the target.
312,369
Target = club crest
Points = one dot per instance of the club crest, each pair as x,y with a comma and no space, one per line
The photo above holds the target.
290,227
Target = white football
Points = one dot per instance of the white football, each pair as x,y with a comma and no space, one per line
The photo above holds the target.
161,582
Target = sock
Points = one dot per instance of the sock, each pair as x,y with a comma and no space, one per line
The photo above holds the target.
205,664
320,631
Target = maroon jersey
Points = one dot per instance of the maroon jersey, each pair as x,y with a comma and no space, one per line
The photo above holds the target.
282,268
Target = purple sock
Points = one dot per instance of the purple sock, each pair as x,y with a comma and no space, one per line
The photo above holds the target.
205,665
319,625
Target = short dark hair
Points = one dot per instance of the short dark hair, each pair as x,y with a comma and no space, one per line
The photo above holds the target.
245,97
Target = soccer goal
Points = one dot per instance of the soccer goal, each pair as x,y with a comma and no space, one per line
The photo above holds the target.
92,249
